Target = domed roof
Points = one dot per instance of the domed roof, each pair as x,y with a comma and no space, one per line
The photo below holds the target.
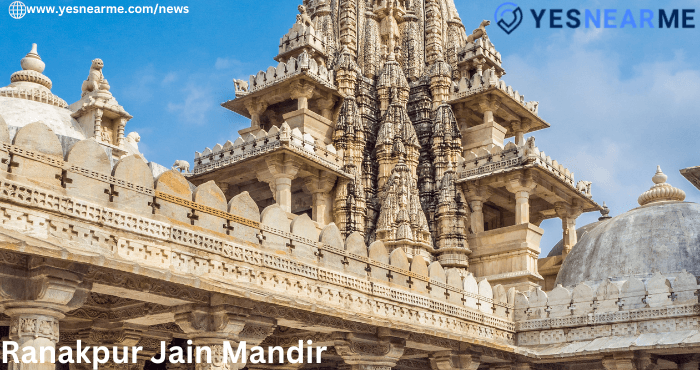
663,236
28,99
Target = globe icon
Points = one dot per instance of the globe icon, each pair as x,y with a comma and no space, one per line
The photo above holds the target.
18,10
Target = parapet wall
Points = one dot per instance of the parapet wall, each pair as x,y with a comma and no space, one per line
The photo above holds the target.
81,200
627,306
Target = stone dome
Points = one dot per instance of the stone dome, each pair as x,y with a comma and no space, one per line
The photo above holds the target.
28,99
662,236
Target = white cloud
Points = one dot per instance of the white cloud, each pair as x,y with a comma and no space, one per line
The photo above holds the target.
613,118
195,105
170,77
226,63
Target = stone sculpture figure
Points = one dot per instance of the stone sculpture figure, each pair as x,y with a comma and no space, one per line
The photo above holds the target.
182,166
107,136
133,138
303,17
95,78
479,32
584,187
241,86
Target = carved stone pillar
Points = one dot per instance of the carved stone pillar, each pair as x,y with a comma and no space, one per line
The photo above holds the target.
568,215
521,187
98,124
281,170
36,300
368,352
302,91
487,107
477,196
213,325
255,107
320,188
120,131
624,361
326,104
520,127
450,360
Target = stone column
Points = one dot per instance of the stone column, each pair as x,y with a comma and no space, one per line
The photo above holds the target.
454,360
98,124
256,107
120,131
281,170
320,187
487,107
622,361
476,196
211,326
35,300
369,352
519,128
568,214
302,91
521,187
326,104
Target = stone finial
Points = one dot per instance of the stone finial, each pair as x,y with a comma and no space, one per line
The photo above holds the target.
661,191
604,213
31,73
32,61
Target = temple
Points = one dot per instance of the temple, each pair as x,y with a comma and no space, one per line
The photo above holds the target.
385,202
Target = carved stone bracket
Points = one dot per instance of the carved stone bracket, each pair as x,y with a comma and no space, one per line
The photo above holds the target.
450,360
36,295
369,351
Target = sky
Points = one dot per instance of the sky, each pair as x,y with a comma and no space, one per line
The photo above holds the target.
620,101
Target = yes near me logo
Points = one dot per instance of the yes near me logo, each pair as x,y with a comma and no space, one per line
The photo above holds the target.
509,16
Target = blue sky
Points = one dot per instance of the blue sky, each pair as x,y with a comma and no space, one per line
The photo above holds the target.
620,101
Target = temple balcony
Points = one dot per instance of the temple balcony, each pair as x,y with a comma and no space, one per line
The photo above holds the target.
281,166
488,111
478,54
300,92
509,188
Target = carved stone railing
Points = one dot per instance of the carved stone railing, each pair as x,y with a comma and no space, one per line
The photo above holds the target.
480,48
480,83
34,95
302,64
264,142
493,159
128,218
625,306
301,36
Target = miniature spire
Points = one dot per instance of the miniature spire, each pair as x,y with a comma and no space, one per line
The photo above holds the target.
661,191
31,73
604,213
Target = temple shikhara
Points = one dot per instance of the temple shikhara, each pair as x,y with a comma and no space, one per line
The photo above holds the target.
385,202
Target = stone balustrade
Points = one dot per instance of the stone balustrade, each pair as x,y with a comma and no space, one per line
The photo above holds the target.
624,306
263,142
481,48
301,36
125,215
303,64
34,95
479,83
494,159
